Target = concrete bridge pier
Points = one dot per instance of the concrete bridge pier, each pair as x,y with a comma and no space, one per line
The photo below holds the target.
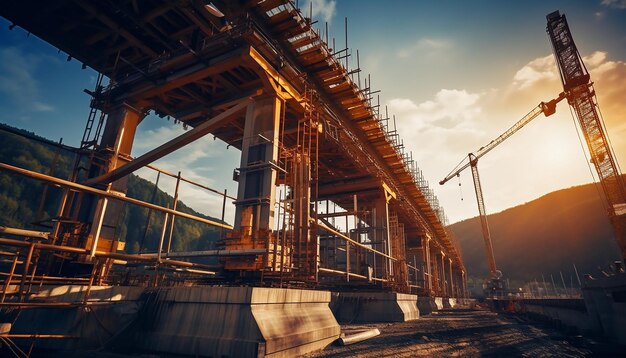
178,321
374,307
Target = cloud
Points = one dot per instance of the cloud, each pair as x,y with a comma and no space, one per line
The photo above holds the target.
17,80
544,156
321,8
426,47
616,4
191,158
536,71
540,79
448,109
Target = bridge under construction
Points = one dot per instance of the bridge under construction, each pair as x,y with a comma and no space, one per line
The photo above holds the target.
333,220
329,204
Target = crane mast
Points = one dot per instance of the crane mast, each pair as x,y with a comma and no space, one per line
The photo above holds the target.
547,108
581,96
491,260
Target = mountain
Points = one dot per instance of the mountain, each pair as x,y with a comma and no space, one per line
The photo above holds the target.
545,236
21,203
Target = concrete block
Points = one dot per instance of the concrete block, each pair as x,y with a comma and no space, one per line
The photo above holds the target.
236,322
605,300
184,321
445,301
426,305
566,312
439,303
453,302
361,307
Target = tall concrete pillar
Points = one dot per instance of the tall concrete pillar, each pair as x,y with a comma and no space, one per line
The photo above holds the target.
114,151
464,284
428,279
452,278
381,223
444,279
259,155
435,271
256,194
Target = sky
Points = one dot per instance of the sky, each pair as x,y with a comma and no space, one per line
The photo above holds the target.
456,74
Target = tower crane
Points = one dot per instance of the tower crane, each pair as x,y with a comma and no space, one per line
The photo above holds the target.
547,108
581,97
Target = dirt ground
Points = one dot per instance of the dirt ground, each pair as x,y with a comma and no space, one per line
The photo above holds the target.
464,332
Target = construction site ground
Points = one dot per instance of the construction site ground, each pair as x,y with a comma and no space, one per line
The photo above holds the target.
469,332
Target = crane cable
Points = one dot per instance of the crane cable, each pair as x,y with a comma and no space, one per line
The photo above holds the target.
587,160
606,134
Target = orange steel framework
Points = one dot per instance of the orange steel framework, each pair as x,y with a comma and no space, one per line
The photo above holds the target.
327,195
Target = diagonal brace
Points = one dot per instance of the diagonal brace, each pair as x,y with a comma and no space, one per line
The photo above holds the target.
169,147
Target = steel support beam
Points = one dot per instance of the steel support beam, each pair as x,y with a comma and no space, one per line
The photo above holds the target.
171,146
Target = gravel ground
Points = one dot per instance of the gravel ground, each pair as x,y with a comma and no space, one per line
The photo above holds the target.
474,333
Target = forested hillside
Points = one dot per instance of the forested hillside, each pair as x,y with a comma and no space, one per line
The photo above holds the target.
545,236
21,198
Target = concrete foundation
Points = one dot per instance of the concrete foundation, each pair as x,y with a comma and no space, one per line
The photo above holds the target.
186,321
426,305
566,313
362,307
605,300
87,327
439,303
236,322
453,302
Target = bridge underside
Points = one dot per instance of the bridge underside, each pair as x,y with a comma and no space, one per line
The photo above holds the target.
326,196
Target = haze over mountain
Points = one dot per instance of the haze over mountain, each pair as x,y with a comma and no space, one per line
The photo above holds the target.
545,236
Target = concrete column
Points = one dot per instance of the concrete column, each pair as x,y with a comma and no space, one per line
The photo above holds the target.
435,271
381,212
452,278
444,284
114,151
259,154
428,278
464,284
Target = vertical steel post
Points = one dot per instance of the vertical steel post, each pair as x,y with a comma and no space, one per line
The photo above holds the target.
173,219
91,278
451,278
162,237
29,257
223,212
8,281
563,280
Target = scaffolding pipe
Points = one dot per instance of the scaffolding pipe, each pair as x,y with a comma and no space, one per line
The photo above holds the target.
342,273
345,340
103,209
111,255
344,237
80,187
29,257
249,252
8,281
25,233
38,336
172,220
